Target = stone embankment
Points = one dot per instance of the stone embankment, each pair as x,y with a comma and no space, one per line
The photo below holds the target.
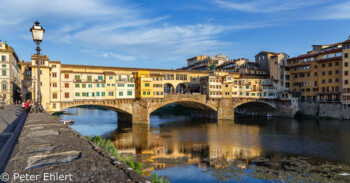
49,151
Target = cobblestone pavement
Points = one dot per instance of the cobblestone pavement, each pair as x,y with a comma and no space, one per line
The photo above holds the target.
8,115
53,152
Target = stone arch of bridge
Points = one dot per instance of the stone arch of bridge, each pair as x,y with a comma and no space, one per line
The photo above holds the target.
113,108
197,105
257,105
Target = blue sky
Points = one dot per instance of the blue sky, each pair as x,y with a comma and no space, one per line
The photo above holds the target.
164,33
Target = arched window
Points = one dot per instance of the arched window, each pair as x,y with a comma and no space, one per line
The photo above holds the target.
4,86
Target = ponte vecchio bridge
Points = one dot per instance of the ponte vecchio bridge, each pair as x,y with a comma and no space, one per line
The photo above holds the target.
135,92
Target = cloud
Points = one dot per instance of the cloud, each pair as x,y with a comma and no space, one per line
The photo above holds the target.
267,6
337,11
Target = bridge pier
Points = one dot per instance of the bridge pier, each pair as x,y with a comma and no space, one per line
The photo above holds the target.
140,114
225,109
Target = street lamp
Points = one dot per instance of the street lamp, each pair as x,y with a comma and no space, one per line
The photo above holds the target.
38,33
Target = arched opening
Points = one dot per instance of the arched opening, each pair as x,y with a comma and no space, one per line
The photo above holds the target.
181,88
188,108
169,88
255,108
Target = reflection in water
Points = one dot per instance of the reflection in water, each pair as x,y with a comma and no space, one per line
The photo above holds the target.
187,143
174,144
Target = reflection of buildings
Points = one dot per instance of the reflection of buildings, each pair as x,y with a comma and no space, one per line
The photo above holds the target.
202,145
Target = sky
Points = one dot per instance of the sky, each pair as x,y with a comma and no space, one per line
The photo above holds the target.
164,33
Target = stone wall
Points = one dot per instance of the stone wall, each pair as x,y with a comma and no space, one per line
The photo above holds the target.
334,110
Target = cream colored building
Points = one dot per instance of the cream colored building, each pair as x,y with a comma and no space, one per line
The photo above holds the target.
10,74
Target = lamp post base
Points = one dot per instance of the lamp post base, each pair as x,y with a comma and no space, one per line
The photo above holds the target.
37,108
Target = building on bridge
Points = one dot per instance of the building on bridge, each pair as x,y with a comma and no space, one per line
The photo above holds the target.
10,75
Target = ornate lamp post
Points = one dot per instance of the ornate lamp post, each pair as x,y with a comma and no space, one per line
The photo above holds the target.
38,33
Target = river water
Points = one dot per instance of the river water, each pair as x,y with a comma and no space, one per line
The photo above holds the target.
186,150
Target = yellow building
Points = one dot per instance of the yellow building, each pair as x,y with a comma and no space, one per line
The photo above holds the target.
144,85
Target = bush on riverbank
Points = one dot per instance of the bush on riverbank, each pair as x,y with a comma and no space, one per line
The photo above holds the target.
107,145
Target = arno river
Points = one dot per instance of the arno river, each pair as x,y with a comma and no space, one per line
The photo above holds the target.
248,149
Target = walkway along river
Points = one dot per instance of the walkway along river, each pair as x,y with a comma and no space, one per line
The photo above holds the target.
249,149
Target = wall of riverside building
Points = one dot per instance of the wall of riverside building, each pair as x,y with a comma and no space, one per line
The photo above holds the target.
333,110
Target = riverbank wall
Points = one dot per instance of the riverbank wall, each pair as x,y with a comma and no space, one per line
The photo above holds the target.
49,151
325,110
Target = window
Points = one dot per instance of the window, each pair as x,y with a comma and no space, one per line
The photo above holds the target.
323,81
77,85
77,94
100,77
54,74
108,84
315,66
3,57
84,94
346,73
66,85
90,85
54,106
346,55
323,65
103,85
89,78
103,94
147,84
97,85
337,63
4,86
144,93
129,93
28,72
77,77
346,82
4,72
54,95
315,83
120,93
132,85
41,72
110,93
93,94
323,73
120,85
66,76
110,77
83,85
66,95
148,93
97,94
346,64
337,80
330,64
329,72
315,74
336,71
329,80
247,94
53,66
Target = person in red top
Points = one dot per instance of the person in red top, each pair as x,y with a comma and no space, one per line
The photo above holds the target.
26,106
